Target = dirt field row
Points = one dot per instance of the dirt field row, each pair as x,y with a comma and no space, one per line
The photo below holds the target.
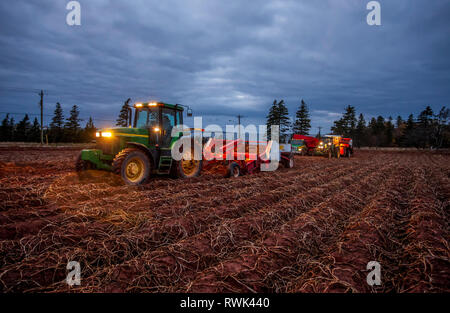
312,228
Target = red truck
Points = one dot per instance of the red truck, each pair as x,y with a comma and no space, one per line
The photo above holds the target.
304,145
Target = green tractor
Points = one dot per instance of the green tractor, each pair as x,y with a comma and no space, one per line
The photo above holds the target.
144,147
329,146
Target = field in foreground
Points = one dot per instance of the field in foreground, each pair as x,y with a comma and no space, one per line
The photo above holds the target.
313,228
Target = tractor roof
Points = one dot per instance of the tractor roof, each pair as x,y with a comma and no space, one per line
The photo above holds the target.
154,104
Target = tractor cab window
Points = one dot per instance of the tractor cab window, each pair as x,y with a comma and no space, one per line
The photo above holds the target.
147,118
298,142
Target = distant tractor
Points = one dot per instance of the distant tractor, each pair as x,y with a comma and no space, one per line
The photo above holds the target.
144,147
304,145
334,146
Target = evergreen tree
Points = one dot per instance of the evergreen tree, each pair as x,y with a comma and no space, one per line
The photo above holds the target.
441,127
35,132
346,126
399,131
89,131
12,128
399,122
302,122
389,132
5,129
23,128
57,124
408,138
72,126
360,133
278,115
122,120
425,127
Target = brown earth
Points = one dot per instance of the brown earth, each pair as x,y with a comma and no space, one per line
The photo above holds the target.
312,228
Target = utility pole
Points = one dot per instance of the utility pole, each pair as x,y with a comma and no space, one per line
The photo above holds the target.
42,116
320,133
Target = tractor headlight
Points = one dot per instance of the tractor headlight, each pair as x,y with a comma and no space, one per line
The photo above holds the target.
156,129
106,134
97,134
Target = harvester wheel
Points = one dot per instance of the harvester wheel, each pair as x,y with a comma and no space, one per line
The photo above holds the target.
234,170
83,165
133,165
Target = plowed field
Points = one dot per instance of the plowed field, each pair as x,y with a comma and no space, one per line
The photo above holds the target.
312,228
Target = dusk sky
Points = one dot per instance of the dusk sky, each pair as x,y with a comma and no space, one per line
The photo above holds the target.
225,58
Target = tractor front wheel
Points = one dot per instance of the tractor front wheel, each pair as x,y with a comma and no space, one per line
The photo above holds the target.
83,165
133,165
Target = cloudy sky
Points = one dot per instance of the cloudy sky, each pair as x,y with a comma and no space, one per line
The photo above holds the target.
225,58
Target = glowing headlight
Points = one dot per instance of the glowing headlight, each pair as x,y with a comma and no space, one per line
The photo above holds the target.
106,134
97,134
153,104
156,129
138,105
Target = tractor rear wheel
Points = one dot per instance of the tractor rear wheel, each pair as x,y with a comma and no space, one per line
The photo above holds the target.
188,167
133,165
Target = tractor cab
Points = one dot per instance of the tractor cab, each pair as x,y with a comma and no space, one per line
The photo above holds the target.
158,120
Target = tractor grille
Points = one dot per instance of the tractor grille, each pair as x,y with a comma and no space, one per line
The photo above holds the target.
107,145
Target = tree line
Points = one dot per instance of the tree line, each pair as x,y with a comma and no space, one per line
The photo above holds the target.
61,129
428,130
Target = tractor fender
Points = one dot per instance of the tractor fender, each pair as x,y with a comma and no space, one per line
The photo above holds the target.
144,149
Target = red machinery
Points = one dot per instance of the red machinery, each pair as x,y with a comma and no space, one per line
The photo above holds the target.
304,144
346,147
241,157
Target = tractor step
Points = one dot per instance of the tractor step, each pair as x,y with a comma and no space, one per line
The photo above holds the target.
165,162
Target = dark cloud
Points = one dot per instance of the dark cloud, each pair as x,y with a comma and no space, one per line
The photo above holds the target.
226,57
